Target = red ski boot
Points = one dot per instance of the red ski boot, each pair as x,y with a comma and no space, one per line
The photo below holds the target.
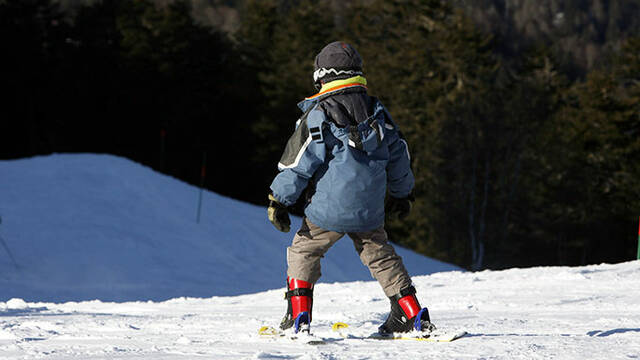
299,304
406,314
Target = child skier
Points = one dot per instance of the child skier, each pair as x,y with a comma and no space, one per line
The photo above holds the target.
345,152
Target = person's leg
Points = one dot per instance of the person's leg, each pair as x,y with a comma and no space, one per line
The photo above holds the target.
303,259
309,245
387,267
380,257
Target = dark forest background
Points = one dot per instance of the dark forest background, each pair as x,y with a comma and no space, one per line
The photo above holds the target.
522,116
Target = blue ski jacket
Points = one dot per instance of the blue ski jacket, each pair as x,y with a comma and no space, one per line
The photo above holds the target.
347,162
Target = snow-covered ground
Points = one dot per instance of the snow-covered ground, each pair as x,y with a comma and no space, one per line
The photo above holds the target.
580,313
86,226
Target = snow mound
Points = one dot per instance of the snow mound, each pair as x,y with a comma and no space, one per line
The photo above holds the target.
87,226
16,304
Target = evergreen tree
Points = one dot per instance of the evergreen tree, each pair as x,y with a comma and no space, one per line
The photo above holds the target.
188,81
434,71
33,34
529,100
281,41
593,183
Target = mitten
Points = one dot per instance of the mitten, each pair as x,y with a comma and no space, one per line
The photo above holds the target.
398,208
278,215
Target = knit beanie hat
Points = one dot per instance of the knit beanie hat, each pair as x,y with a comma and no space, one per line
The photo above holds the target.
338,60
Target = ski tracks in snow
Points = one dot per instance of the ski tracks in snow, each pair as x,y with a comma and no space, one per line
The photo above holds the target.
538,313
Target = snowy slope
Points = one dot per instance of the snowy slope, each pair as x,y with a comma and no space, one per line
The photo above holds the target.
539,313
84,226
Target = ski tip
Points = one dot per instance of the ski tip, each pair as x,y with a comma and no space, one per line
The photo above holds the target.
267,330
446,337
339,326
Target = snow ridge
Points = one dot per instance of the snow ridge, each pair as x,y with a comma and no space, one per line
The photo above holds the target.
87,226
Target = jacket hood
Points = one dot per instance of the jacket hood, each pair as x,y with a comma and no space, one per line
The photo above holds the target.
368,135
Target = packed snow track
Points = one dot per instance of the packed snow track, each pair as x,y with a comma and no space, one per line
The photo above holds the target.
539,313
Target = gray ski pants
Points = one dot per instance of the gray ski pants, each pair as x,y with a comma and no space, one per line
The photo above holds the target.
311,242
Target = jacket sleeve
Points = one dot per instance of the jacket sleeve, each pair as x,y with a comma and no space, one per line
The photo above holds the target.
304,153
399,175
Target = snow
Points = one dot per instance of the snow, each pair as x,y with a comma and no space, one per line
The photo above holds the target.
88,227
539,313
16,304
